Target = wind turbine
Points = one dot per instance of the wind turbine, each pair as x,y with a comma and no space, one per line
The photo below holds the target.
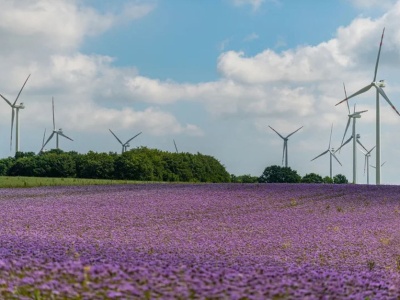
356,139
331,154
55,132
176,148
285,147
378,86
126,144
367,155
15,113
355,115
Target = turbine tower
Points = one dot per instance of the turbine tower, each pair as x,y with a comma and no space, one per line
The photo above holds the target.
367,155
126,144
55,132
15,114
285,146
331,154
378,86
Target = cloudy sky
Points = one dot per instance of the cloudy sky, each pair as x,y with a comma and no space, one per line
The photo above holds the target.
211,75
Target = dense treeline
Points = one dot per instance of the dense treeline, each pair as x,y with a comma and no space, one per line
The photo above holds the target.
136,164
278,174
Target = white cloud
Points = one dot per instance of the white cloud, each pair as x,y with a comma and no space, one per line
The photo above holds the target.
251,37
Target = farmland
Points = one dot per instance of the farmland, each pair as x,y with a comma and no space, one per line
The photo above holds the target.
233,241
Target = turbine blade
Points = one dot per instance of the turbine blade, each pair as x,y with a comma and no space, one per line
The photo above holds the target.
48,140
334,156
283,153
320,155
343,144
381,91
330,137
363,90
379,54
276,132
294,132
21,89
176,148
116,137
358,141
383,164
62,134
371,150
345,94
54,120
132,138
347,127
9,103
44,136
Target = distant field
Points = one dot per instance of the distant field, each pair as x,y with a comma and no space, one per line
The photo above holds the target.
11,182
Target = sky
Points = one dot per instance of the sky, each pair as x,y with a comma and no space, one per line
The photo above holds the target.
211,75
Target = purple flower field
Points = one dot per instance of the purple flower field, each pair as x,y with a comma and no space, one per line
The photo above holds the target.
211,241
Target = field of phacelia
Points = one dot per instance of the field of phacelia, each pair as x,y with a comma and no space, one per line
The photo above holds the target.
211,241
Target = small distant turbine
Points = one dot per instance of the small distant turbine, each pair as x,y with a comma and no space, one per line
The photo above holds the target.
331,154
15,114
55,132
367,155
126,144
356,139
285,146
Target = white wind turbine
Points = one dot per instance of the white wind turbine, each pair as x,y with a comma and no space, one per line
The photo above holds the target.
331,154
55,132
285,146
367,155
378,86
126,144
14,114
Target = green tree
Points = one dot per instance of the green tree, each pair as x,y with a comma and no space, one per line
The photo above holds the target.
95,165
247,178
312,178
276,174
327,179
340,179
5,165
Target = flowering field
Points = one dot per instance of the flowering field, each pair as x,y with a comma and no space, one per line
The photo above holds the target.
212,241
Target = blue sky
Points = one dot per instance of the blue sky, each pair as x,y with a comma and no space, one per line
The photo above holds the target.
210,74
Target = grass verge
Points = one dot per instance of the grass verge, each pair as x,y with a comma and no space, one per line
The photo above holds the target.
23,182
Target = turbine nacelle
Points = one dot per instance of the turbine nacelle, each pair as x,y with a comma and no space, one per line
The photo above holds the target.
381,83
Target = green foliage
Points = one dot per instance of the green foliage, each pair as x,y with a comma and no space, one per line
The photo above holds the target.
340,179
5,165
247,178
327,179
312,178
137,164
277,174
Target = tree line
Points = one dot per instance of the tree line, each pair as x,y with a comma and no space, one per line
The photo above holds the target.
277,174
144,164
136,164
